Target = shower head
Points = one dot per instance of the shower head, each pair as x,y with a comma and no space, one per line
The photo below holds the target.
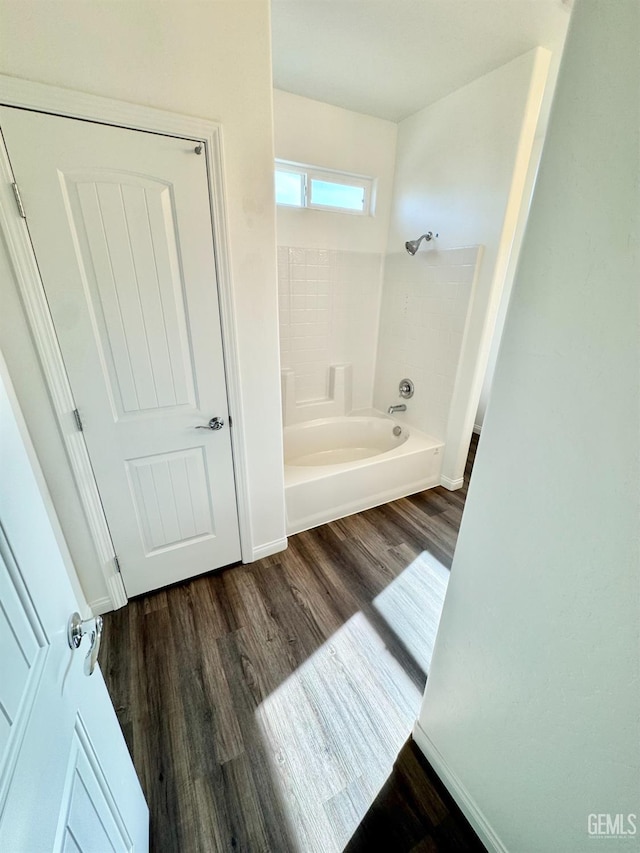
412,246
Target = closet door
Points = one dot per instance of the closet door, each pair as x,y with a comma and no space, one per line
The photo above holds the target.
121,228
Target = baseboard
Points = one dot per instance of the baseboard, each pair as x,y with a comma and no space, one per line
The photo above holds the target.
118,593
477,428
463,798
268,549
452,485
101,605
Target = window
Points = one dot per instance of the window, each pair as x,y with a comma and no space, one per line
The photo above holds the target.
290,188
307,186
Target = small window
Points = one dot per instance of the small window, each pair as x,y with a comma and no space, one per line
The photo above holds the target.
307,186
289,188
330,194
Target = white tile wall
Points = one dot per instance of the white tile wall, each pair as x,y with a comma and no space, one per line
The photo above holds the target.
425,299
329,308
335,309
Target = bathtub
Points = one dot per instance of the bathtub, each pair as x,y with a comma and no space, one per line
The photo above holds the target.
337,466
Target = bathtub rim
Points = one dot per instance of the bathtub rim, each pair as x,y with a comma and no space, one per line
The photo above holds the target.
407,431
416,443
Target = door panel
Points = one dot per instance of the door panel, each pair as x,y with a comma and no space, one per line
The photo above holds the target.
129,239
23,644
171,498
121,227
64,765
89,817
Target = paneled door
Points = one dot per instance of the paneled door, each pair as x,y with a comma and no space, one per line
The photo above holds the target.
121,227
67,783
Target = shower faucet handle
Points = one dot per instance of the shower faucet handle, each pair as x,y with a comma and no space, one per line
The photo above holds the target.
406,389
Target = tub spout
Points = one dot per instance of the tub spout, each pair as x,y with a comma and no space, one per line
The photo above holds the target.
401,407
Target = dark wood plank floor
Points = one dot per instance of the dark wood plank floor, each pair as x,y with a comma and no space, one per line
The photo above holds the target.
267,707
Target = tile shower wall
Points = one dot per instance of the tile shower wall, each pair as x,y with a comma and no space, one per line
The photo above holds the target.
425,299
329,307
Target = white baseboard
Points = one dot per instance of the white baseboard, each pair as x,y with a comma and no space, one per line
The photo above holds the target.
118,593
477,428
452,485
268,549
101,605
463,798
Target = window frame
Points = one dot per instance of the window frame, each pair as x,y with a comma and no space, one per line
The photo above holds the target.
318,173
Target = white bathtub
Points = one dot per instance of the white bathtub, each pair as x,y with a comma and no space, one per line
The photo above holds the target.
338,466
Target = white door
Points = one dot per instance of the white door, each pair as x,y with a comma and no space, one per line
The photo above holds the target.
121,227
66,779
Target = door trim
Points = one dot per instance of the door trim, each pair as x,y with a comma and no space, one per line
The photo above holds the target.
27,275
15,92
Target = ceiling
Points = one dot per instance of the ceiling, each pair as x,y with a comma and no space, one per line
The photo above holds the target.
390,58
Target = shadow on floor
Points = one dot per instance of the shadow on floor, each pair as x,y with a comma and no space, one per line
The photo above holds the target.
414,813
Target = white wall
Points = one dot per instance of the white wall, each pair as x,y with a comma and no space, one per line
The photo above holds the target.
330,264
461,170
530,711
307,131
207,59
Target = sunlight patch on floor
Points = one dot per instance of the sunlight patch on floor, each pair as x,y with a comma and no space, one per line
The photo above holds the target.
332,731
412,605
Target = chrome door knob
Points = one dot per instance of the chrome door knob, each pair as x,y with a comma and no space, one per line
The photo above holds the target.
214,423
76,630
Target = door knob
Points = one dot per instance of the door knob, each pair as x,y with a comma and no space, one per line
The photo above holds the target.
214,423
76,629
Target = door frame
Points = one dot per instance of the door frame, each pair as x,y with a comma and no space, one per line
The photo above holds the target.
38,97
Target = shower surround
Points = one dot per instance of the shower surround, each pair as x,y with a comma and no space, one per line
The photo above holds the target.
388,316
329,309
425,305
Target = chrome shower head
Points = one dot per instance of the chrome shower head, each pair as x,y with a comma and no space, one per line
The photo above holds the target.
412,246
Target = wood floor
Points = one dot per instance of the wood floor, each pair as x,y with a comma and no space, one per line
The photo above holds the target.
265,706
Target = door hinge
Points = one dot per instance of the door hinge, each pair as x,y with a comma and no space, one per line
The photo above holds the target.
117,565
78,419
19,204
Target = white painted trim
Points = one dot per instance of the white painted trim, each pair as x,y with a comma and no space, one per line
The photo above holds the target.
268,549
16,92
66,102
228,315
456,788
452,485
101,605
117,592
477,428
